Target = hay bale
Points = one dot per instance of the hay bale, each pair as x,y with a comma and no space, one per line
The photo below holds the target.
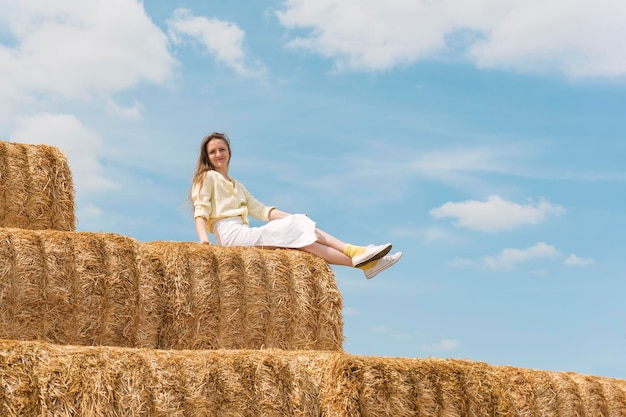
233,298
36,188
42,379
38,378
373,386
69,287
105,289
592,394
569,399
616,397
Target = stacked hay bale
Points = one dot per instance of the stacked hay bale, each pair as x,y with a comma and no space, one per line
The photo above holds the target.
177,329
68,287
36,188
104,289
37,378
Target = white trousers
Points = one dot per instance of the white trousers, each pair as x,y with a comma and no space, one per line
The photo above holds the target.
293,231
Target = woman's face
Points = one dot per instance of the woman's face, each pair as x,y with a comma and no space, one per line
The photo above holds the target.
217,149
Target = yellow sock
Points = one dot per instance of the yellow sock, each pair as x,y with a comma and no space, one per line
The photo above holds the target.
367,266
352,250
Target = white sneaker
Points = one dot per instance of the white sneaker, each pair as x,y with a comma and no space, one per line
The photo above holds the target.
371,253
382,264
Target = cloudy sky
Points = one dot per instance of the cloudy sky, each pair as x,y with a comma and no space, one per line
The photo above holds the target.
484,138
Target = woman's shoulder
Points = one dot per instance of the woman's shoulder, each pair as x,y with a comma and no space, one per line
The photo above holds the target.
212,174
205,179
213,177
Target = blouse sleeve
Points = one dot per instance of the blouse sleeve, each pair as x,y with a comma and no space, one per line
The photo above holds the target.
256,209
201,197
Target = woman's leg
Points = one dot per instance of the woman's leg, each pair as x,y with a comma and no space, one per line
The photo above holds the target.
337,252
329,240
329,248
328,253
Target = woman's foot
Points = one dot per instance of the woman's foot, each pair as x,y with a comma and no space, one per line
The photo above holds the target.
371,253
382,264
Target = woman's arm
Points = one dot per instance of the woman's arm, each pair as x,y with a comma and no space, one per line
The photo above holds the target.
276,214
201,197
201,230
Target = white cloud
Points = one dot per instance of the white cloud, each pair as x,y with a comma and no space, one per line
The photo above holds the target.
89,212
381,328
509,258
430,234
366,34
571,37
81,146
495,214
77,49
125,112
445,345
458,167
449,344
462,160
437,234
350,311
224,40
573,260
462,167
461,263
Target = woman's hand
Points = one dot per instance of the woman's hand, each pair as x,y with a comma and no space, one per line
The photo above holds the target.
205,242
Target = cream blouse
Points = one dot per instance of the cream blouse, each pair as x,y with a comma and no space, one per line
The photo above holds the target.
218,198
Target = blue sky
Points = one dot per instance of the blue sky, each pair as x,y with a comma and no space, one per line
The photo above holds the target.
485,139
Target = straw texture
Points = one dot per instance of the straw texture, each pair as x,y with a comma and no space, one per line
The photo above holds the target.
36,188
42,379
48,380
374,386
105,289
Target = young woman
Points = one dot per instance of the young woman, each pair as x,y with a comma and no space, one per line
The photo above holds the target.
222,206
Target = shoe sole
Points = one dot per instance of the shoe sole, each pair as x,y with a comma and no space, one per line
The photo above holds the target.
386,266
375,257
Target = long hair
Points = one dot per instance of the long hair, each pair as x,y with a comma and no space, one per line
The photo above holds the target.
204,164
